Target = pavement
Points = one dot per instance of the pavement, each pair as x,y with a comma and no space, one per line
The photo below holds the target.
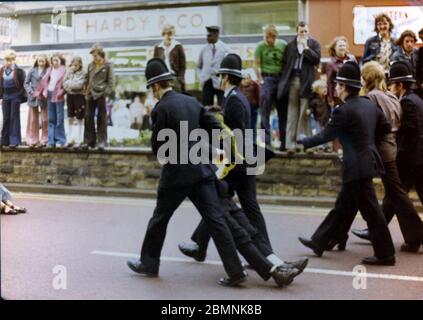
76,247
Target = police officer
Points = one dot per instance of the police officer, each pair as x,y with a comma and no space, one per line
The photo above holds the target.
357,123
180,180
410,153
236,116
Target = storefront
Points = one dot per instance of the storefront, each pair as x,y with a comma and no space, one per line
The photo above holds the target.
130,32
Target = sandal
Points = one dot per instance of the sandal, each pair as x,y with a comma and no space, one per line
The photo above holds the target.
8,211
16,208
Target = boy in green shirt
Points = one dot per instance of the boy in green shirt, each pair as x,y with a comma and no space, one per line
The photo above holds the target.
268,68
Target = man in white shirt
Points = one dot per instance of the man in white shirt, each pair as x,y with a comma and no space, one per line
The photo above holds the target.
208,64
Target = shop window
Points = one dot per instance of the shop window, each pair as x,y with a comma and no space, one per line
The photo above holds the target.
251,18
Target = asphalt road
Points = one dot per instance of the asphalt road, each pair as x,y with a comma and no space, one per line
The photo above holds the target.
73,247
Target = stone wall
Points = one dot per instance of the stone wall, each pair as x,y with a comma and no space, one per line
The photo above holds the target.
301,175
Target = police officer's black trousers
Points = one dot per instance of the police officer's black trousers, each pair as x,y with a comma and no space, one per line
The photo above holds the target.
245,187
204,196
397,201
354,196
249,243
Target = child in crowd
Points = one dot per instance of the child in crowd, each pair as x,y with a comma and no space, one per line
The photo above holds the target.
319,108
74,85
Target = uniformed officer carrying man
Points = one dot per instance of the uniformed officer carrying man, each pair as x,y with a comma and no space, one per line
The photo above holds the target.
237,113
357,123
178,181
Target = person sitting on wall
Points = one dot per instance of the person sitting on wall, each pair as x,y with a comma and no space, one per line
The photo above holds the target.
6,204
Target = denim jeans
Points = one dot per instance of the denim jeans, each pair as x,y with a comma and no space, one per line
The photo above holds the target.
11,131
56,121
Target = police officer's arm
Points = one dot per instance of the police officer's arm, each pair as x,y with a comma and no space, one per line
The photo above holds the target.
336,123
409,116
312,53
235,114
158,119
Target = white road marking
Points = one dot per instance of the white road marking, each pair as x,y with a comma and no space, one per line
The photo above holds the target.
308,270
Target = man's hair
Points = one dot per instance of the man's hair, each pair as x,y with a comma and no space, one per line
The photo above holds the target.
271,30
164,84
98,49
406,33
380,18
408,86
352,91
301,24
234,80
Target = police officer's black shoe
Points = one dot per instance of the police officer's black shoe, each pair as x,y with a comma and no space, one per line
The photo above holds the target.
234,280
310,244
375,261
284,276
300,264
193,251
362,234
137,266
410,247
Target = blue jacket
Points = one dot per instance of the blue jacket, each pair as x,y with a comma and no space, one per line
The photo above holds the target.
372,48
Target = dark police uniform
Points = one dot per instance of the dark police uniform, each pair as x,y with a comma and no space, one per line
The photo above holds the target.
178,181
237,116
356,123
410,163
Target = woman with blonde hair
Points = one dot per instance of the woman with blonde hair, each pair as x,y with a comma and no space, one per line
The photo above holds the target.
37,103
396,200
74,84
12,80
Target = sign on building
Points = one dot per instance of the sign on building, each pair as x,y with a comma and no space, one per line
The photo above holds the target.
138,24
404,18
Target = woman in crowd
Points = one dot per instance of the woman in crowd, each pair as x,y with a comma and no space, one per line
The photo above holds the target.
74,84
6,204
37,104
338,51
173,54
380,47
12,79
52,89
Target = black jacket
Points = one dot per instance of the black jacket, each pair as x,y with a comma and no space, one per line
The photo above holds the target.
167,114
358,124
237,115
308,69
410,134
19,76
